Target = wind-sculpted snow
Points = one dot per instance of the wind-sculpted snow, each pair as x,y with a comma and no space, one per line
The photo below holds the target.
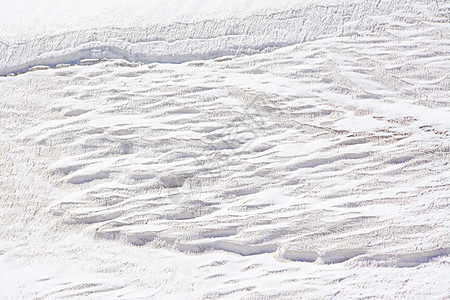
317,170
184,41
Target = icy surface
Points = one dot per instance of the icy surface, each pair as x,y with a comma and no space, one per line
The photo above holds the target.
283,151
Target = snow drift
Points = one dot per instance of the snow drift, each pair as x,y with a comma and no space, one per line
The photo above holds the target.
282,150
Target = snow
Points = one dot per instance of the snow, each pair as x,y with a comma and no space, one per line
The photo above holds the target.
239,149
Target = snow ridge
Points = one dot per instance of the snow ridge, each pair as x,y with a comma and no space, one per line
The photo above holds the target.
207,39
318,170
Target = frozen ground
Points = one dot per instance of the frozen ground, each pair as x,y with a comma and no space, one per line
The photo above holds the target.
292,151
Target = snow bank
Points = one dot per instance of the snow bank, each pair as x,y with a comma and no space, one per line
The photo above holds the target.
49,33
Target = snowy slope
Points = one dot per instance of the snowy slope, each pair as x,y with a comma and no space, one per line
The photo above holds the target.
281,151
48,34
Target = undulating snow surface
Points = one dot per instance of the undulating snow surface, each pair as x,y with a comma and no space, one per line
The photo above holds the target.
256,150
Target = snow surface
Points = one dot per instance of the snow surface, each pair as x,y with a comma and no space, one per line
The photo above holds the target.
238,149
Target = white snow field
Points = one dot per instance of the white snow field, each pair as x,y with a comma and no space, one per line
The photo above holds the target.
225,149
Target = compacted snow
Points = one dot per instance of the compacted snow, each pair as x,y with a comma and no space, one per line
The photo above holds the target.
252,150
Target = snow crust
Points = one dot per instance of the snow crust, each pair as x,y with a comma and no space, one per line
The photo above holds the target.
239,149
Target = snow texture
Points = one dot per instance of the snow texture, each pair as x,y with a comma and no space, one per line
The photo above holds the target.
254,150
